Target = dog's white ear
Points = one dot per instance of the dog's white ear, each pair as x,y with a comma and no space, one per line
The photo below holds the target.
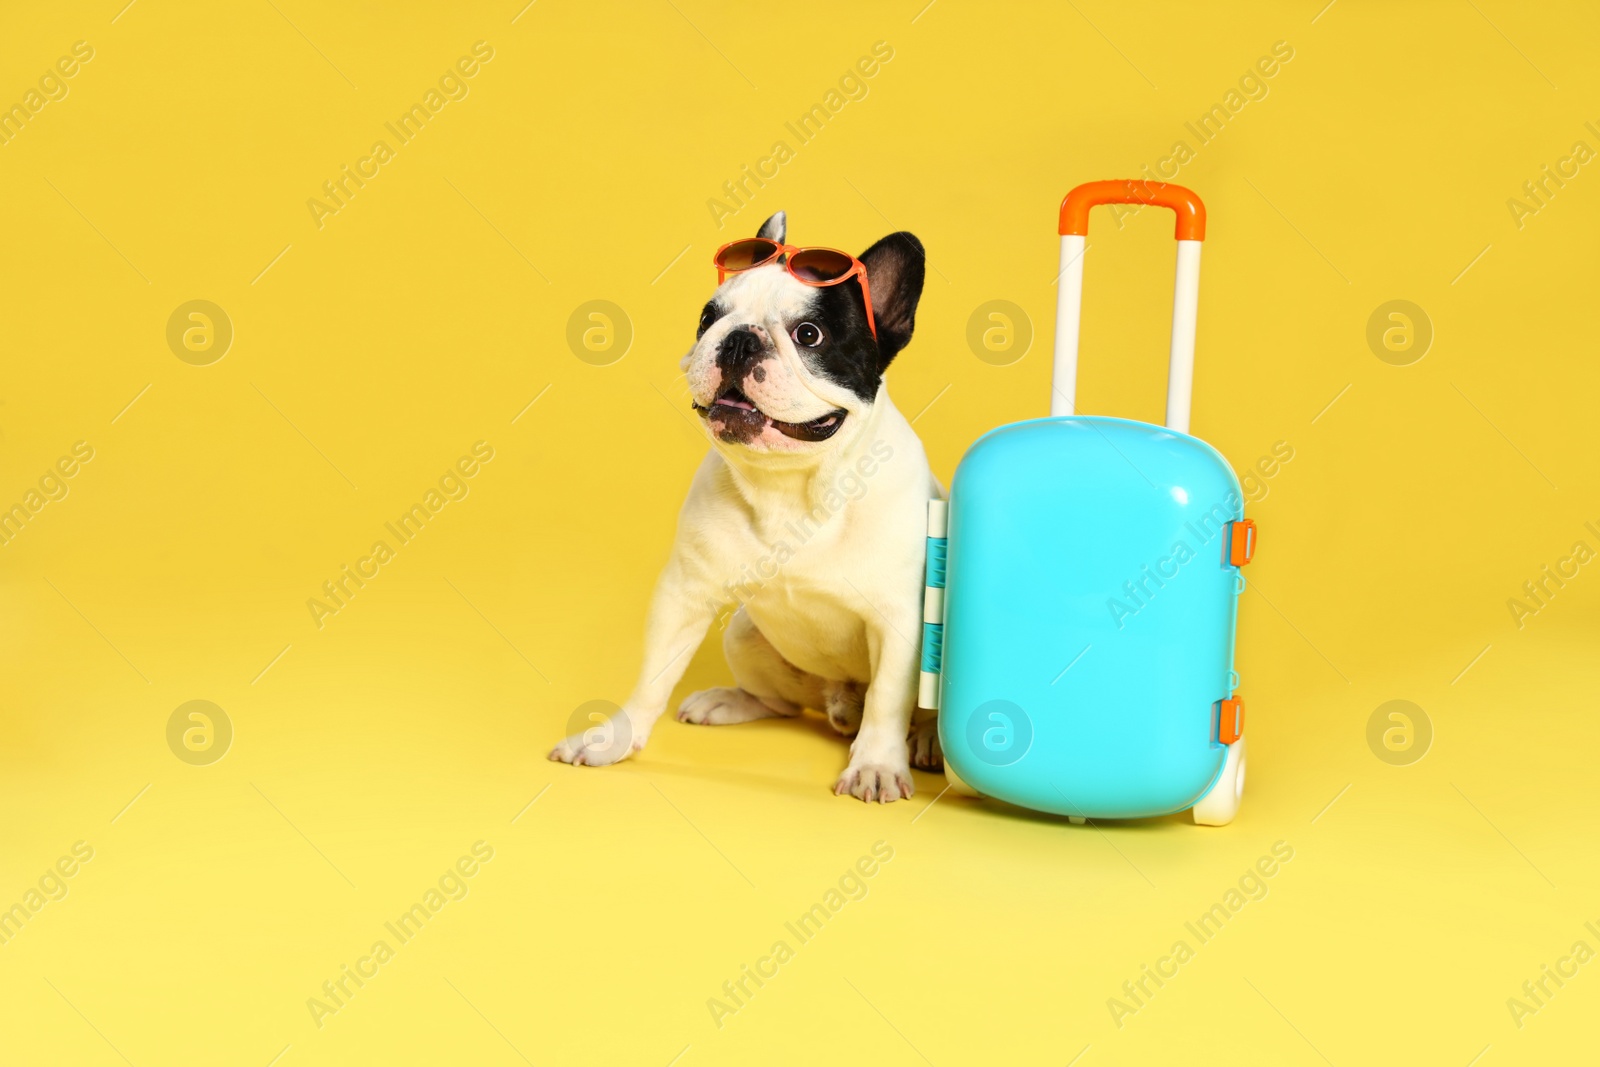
775,229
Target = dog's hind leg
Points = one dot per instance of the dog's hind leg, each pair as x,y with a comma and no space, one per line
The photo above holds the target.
926,755
842,701
768,684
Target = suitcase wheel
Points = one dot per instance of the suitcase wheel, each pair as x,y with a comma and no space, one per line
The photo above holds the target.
956,784
1218,807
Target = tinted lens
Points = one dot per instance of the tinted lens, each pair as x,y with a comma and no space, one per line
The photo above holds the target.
820,264
742,255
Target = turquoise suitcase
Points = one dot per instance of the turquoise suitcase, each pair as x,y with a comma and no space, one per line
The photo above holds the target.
1083,587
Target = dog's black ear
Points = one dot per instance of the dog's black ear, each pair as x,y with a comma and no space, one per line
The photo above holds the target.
895,272
775,228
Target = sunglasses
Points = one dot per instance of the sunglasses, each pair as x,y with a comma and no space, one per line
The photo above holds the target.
816,267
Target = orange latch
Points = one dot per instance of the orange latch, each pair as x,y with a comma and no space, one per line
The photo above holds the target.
1230,720
1242,545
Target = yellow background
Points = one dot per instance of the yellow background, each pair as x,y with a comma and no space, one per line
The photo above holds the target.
430,311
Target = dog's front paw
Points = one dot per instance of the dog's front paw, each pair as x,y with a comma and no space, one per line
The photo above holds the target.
882,782
602,744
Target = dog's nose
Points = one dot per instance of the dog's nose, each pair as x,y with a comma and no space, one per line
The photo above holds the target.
741,349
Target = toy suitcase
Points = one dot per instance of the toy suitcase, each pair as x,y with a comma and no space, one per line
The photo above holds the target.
1083,586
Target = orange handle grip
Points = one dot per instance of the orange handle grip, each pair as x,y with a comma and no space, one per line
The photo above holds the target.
1191,212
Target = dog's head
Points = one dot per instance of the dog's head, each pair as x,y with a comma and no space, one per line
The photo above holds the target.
784,369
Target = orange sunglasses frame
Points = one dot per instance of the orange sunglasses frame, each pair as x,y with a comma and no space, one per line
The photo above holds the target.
857,269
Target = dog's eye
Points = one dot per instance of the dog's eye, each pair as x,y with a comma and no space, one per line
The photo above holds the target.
807,334
707,317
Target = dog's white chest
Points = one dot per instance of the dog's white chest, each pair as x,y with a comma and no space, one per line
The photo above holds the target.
812,619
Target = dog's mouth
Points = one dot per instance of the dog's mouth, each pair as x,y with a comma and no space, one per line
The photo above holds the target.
740,419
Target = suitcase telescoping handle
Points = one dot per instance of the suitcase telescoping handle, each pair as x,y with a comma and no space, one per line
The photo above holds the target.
1191,231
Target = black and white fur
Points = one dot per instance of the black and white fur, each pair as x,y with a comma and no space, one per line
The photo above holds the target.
788,382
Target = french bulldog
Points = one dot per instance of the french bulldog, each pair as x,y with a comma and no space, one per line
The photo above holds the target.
809,511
